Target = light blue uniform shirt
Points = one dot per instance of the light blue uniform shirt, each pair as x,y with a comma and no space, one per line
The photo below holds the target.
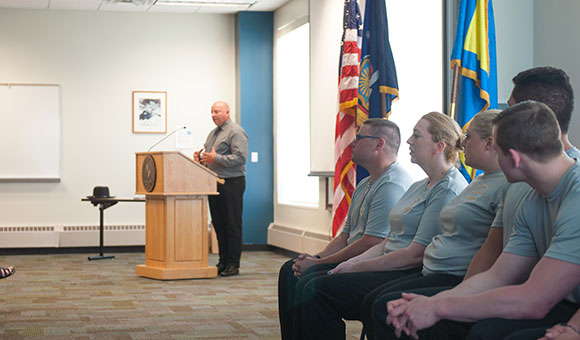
465,222
415,218
372,202
573,152
548,226
512,200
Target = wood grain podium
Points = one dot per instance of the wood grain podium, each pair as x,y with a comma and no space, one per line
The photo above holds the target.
176,209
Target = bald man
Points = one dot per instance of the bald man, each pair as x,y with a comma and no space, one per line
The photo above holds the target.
225,153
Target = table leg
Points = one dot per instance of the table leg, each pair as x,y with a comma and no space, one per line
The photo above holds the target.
101,256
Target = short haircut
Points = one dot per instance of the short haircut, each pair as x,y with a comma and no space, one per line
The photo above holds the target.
387,130
444,129
531,128
550,86
482,123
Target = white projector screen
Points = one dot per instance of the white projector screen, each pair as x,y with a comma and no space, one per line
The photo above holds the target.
30,132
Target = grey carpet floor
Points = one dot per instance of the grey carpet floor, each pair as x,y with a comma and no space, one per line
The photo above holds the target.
67,297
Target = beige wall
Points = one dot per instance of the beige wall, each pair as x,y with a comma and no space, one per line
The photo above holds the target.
311,219
556,44
99,58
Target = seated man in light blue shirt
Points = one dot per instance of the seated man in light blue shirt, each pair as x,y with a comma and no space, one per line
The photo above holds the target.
536,279
375,148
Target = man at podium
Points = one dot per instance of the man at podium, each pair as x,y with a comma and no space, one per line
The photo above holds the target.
225,152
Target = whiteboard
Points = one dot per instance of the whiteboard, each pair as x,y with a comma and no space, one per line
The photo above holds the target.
30,132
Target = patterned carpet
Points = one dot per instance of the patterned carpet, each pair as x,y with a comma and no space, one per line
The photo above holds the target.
67,297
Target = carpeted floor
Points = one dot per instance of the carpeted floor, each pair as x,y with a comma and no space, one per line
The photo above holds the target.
67,297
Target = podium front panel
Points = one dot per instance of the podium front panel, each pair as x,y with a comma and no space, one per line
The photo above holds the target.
155,231
188,230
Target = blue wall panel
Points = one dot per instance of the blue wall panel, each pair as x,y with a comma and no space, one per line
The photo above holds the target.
255,53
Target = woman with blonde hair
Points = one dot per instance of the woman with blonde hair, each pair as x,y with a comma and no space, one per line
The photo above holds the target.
326,300
465,221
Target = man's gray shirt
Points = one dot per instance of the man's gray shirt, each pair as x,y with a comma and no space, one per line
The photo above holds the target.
231,146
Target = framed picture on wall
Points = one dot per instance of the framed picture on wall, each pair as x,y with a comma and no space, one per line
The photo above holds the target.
149,112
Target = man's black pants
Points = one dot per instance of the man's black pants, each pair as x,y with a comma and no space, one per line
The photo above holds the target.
226,215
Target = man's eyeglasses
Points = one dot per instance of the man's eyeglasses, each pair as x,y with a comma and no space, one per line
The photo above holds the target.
359,137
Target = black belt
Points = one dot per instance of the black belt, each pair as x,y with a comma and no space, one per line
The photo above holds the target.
234,178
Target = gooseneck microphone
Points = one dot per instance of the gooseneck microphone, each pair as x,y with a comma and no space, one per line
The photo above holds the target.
164,138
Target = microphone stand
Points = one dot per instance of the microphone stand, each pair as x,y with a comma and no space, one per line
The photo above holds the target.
164,138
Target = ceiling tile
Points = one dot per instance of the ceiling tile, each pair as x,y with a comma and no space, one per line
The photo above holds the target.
268,5
220,10
26,4
173,9
83,5
104,5
123,7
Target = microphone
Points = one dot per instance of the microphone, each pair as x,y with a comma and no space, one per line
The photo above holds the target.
164,138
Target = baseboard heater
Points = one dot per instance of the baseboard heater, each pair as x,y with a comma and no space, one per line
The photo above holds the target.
296,239
70,236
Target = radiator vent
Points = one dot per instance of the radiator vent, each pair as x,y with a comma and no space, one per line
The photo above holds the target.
48,236
317,236
74,228
296,239
286,229
20,229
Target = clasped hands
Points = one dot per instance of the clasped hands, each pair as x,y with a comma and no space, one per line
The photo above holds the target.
204,157
411,313
303,262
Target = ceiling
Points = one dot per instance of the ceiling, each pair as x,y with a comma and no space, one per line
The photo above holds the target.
152,6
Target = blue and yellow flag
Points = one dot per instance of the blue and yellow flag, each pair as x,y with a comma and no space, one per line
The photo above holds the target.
377,69
474,53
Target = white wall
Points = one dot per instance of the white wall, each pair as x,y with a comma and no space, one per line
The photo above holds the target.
311,219
556,44
99,58
514,30
325,35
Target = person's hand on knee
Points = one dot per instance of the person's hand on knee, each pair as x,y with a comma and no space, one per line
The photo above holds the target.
561,332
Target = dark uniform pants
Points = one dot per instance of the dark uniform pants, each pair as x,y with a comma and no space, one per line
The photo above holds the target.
226,215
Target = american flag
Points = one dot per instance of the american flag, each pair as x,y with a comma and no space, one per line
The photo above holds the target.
344,168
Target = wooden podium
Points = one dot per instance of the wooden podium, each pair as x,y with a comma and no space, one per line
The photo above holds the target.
176,208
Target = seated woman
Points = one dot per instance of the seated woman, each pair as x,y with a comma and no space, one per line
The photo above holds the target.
414,220
466,222
6,272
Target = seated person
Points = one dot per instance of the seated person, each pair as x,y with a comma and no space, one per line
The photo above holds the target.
327,300
367,224
465,222
543,250
552,87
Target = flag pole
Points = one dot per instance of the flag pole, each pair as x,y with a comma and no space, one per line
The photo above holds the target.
383,105
454,87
